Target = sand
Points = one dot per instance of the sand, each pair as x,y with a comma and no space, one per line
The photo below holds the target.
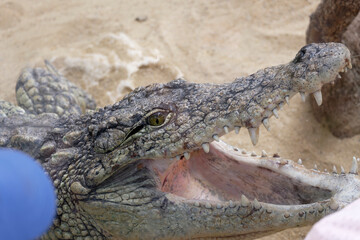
110,47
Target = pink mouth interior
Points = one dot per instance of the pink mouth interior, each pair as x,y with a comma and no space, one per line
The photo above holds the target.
219,176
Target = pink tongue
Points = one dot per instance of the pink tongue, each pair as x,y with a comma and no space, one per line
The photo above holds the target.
179,181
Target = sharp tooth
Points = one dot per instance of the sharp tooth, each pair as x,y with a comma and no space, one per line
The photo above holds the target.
318,97
281,105
275,113
300,161
315,167
354,166
206,147
349,65
334,170
254,135
303,96
319,208
342,170
338,75
256,204
231,204
268,211
263,153
286,215
266,124
244,201
216,137
237,130
287,100
226,129
187,155
333,204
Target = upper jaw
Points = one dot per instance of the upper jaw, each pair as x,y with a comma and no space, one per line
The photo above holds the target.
281,85
205,112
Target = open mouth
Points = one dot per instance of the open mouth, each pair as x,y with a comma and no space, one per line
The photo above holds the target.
218,175
225,174
231,176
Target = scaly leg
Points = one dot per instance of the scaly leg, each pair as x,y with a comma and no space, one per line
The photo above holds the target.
46,91
7,109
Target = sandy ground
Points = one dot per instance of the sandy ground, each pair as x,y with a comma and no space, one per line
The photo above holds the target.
102,47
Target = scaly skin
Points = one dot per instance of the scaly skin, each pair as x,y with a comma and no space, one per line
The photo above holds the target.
148,167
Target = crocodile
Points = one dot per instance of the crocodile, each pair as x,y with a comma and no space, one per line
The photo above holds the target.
152,166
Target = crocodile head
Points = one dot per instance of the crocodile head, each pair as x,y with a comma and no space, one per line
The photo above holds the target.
152,166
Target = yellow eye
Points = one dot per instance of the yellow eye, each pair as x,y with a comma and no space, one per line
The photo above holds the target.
157,119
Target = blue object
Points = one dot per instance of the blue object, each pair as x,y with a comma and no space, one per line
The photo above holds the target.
27,197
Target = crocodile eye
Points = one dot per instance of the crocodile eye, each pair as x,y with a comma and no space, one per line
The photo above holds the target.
157,119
